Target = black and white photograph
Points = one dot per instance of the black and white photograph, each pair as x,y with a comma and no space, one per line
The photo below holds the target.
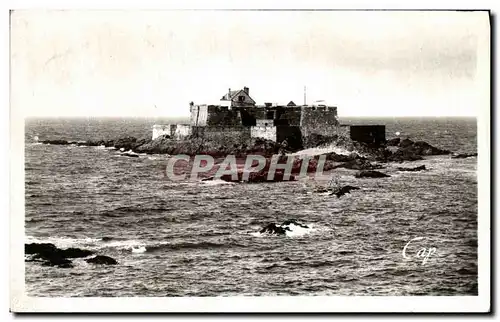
212,156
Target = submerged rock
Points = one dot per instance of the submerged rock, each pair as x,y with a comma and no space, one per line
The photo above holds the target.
332,156
56,260
102,260
339,192
463,155
282,228
274,229
420,168
56,142
360,164
370,174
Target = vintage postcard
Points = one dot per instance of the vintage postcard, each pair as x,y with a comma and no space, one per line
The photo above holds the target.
250,161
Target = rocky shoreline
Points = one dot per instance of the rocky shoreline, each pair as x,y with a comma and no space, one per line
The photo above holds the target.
394,150
363,157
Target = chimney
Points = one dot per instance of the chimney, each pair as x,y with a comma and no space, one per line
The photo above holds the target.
246,90
229,94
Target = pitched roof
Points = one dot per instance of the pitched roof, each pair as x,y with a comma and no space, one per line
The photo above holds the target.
229,96
232,94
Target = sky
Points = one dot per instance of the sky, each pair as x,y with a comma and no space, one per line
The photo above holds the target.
153,63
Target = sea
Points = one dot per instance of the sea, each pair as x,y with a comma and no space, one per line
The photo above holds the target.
200,238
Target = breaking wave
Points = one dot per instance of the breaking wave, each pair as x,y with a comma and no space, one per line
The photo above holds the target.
134,246
322,150
295,230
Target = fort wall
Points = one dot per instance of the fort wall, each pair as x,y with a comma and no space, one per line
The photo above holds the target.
319,120
223,133
292,135
264,129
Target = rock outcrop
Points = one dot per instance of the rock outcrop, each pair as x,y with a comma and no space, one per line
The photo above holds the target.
394,150
463,155
370,174
49,255
419,168
274,229
359,164
102,260
281,229
339,192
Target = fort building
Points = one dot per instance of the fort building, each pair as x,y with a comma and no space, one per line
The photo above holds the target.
239,117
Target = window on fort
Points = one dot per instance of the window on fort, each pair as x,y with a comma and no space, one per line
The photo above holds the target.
270,115
241,98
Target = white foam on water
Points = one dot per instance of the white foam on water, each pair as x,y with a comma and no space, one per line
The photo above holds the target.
124,244
129,152
101,147
323,150
297,231
140,249
216,182
63,242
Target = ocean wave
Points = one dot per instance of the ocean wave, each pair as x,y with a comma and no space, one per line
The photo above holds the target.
322,150
131,245
63,242
191,245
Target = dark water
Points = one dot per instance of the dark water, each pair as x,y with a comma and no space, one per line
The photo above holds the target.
195,239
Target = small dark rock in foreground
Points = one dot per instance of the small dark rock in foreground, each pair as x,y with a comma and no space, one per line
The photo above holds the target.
282,228
50,255
370,174
102,260
274,229
36,248
343,190
420,168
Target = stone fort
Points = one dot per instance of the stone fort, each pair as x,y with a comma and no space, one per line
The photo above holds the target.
237,117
